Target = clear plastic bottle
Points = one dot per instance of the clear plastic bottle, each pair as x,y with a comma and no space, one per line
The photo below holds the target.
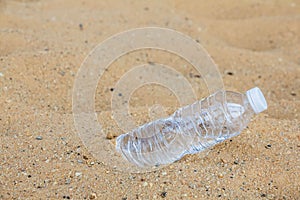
191,129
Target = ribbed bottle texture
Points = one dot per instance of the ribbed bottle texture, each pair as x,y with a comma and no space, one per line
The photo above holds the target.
191,129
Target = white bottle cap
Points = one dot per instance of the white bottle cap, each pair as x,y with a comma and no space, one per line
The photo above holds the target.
257,100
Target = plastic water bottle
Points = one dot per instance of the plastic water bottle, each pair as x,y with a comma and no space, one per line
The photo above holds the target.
192,128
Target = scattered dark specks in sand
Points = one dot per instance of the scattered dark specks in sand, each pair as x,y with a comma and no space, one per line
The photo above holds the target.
151,63
263,195
39,138
163,194
230,73
293,94
146,8
110,136
81,27
112,89
191,75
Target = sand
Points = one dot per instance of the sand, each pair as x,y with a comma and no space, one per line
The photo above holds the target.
42,45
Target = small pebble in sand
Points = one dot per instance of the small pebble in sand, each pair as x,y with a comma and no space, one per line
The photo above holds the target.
78,174
85,157
68,181
164,173
109,136
163,194
230,73
268,146
93,196
39,138
192,186
145,184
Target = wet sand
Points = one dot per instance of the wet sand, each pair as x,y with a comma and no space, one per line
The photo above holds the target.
42,45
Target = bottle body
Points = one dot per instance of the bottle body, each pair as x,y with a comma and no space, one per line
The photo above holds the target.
218,117
189,130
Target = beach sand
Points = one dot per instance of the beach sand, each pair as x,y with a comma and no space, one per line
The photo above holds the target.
42,45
